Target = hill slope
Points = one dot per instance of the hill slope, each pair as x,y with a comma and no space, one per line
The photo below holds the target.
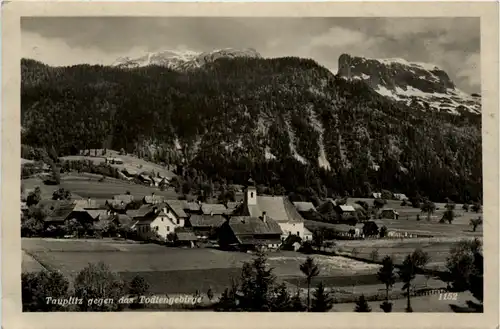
286,121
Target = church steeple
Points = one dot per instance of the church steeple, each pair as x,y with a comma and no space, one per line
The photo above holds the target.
250,193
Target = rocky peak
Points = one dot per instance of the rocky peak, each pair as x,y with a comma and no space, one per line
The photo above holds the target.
417,84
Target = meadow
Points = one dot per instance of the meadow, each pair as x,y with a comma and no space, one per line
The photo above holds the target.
85,185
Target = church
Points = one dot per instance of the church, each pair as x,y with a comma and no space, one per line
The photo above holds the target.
278,208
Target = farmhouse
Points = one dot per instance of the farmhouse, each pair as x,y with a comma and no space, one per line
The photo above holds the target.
304,206
58,211
145,179
389,214
84,204
192,207
185,238
129,172
400,196
205,226
247,233
154,220
175,211
116,207
126,198
153,199
213,209
279,208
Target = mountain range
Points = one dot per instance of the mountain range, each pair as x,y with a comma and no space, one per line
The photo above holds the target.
284,121
420,85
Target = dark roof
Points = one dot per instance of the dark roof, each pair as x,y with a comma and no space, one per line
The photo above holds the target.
59,212
245,225
124,220
206,220
278,208
117,204
253,241
177,207
146,209
192,206
216,209
186,236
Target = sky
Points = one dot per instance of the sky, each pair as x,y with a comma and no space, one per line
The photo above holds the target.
452,44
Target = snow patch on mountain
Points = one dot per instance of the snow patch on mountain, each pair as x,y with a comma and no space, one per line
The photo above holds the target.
183,59
422,85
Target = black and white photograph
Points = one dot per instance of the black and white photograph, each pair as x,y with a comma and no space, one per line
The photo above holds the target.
252,164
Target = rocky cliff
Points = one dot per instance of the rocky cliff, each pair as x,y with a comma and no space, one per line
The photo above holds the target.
421,85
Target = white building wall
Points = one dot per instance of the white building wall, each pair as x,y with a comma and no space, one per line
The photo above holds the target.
292,228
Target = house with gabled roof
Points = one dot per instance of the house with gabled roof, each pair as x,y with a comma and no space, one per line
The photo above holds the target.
191,207
175,210
213,209
153,199
247,233
278,208
126,198
154,221
205,226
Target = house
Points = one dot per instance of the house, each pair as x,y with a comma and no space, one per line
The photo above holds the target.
248,233
400,196
157,181
205,226
278,208
126,198
122,220
304,206
376,195
192,207
114,161
83,204
388,213
153,199
185,238
129,172
59,212
116,207
145,179
308,236
175,211
213,209
154,222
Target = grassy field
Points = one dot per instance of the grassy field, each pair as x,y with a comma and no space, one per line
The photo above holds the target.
437,248
88,186
130,162
161,264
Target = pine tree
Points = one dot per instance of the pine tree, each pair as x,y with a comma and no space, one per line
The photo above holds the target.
362,305
310,270
322,301
407,274
387,276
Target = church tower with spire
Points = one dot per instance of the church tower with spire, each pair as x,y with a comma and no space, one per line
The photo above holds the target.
250,197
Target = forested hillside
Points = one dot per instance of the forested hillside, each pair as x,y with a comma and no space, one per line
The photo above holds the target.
288,122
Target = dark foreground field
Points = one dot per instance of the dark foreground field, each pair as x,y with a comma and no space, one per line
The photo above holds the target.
177,271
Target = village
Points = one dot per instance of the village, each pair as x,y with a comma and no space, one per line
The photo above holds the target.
350,236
